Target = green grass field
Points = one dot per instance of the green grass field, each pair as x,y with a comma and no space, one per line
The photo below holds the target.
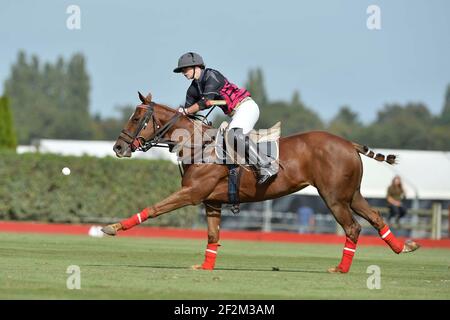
34,267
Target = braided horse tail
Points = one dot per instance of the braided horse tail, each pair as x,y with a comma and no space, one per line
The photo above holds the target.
365,150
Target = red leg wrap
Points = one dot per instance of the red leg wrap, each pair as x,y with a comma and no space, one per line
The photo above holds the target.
388,237
210,256
347,255
135,219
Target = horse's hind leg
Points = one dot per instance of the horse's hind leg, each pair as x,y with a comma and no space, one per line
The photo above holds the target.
213,215
342,213
363,209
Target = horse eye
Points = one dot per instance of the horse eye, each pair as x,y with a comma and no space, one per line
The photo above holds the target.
135,120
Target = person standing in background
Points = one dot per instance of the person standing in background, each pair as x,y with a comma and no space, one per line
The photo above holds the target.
306,219
394,197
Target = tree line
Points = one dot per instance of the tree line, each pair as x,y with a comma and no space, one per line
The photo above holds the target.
51,100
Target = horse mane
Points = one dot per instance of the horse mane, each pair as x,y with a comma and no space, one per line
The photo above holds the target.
147,100
172,110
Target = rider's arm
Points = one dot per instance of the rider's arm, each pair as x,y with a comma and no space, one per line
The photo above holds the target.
202,104
191,105
192,109
214,81
192,96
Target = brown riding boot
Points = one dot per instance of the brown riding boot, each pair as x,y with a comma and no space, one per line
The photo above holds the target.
112,229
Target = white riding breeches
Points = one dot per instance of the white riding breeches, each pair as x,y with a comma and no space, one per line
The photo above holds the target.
245,116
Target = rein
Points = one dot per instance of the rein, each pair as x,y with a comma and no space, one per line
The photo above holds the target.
157,140
159,134
138,143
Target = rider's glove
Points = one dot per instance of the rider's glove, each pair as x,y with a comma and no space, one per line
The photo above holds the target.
182,110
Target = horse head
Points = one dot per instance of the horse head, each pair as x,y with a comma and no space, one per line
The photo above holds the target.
130,137
148,126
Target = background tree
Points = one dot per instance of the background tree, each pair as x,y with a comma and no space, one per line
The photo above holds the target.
440,132
401,127
50,101
109,128
7,133
445,114
294,116
74,121
255,84
346,124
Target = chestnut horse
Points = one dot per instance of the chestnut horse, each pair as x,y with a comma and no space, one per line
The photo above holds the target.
331,164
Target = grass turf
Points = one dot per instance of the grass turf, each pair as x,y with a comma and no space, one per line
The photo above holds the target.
33,266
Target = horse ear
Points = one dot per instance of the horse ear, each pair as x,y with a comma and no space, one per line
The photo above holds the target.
141,97
148,98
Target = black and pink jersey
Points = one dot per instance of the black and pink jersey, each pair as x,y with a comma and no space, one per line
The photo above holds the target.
212,85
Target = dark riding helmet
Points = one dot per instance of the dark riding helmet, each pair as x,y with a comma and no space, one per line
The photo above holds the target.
190,59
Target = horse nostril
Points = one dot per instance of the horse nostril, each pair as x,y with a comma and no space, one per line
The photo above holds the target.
117,148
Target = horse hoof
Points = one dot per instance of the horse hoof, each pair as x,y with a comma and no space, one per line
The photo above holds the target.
410,246
335,270
197,267
112,229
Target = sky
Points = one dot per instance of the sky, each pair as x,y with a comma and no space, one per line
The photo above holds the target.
323,49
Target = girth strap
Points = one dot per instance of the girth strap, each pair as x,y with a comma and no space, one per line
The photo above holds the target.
233,187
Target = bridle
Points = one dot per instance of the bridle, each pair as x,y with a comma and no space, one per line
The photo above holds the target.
137,142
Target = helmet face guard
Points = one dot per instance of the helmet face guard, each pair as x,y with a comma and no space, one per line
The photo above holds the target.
190,59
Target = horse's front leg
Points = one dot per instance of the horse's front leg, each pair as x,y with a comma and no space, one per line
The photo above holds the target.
183,197
213,215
